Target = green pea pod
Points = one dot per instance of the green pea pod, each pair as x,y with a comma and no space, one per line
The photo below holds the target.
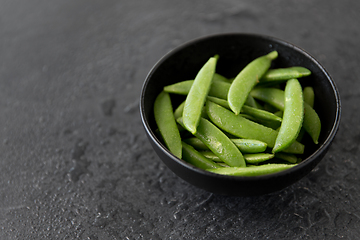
284,74
256,158
218,143
270,108
293,116
244,145
218,77
260,114
270,124
291,158
250,145
250,158
221,164
312,123
250,101
221,102
247,79
210,155
196,143
197,95
219,89
254,112
244,128
272,96
181,88
195,158
309,95
252,171
179,110
164,118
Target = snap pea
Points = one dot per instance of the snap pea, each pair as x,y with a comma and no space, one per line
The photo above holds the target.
244,128
292,117
197,95
256,158
252,171
309,95
196,143
254,112
218,143
181,88
282,74
312,123
244,145
272,96
218,77
211,156
221,102
250,158
250,145
164,118
179,110
195,158
247,79
291,158
260,114
218,89
270,108
221,164
250,101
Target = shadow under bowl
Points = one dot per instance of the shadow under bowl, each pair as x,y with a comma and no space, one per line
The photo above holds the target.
236,50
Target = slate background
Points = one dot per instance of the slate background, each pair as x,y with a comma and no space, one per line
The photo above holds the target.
75,161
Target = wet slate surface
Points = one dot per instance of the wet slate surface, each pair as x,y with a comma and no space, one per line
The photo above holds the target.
75,161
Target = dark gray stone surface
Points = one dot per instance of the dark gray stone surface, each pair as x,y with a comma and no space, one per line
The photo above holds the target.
74,158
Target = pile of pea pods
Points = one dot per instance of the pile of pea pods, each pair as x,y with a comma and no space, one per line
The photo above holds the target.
249,125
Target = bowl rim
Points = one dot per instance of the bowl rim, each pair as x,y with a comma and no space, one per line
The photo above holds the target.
289,171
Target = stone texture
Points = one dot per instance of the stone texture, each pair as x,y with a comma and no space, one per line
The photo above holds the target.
75,161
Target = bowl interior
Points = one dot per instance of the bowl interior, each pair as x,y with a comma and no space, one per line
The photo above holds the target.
235,51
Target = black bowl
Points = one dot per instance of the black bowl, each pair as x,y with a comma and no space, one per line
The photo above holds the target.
235,51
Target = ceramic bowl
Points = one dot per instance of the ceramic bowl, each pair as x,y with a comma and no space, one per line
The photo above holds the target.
235,51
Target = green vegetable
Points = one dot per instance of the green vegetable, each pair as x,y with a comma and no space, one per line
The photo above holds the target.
181,88
312,123
252,171
166,123
292,117
291,158
271,96
250,158
247,79
256,158
218,77
250,145
309,95
244,145
260,114
197,95
275,76
195,158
